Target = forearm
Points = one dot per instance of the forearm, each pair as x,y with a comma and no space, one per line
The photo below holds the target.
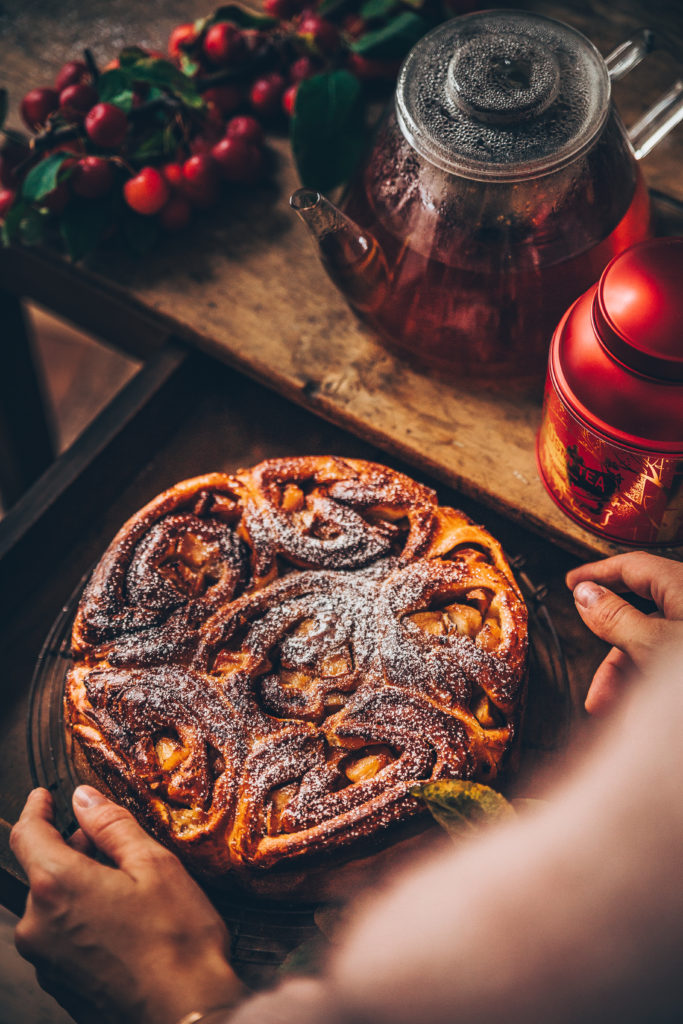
574,914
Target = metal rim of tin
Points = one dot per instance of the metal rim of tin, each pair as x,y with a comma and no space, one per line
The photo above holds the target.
587,419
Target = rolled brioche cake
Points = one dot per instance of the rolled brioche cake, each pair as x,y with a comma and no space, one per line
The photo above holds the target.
265,664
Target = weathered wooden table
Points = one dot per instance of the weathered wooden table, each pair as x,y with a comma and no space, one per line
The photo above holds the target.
244,285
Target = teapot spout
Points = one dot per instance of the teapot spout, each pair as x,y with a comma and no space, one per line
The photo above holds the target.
352,257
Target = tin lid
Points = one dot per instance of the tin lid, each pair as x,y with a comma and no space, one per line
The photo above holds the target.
638,308
502,95
622,325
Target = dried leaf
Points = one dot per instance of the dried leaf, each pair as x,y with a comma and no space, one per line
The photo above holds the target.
461,807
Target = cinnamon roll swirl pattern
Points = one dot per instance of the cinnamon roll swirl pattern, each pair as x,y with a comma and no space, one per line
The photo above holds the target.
265,663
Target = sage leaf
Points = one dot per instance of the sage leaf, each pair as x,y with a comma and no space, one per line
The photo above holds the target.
462,807
42,179
328,129
393,40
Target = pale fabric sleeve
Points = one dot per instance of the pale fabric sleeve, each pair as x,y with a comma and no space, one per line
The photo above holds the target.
574,913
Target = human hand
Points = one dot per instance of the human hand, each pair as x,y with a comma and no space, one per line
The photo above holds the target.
636,637
131,943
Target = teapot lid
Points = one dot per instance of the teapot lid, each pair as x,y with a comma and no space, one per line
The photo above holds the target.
502,95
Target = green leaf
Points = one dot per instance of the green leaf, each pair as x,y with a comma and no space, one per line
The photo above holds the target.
131,55
12,223
188,66
141,233
166,76
111,83
373,9
3,106
328,128
32,226
23,224
393,40
82,225
153,147
460,806
115,87
242,17
42,179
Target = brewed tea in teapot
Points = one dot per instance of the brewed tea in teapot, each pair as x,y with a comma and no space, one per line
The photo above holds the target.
500,184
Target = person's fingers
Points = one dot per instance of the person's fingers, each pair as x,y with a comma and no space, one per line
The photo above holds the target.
650,576
114,831
35,841
619,623
611,679
79,841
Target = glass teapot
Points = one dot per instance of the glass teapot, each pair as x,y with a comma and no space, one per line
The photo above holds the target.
500,184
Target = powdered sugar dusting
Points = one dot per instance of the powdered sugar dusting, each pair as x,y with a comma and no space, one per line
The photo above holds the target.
282,665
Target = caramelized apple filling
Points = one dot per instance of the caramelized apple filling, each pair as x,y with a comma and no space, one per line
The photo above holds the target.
170,751
192,564
472,617
278,799
485,711
367,762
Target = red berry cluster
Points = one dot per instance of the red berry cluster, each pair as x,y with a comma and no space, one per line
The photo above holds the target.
245,73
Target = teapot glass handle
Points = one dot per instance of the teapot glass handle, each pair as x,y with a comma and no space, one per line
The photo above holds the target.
659,120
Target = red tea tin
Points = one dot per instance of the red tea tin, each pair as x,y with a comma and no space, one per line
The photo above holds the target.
610,446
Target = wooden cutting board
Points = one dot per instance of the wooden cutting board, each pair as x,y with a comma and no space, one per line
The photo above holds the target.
244,284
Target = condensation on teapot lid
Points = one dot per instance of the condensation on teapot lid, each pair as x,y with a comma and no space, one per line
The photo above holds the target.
502,95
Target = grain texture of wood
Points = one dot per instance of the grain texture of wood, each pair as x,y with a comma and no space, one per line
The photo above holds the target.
245,285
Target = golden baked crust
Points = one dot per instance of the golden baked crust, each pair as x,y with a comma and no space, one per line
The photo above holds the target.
265,663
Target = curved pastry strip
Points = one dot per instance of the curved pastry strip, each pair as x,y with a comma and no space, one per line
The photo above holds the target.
333,513
457,538
325,810
164,559
453,628
308,639
172,747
